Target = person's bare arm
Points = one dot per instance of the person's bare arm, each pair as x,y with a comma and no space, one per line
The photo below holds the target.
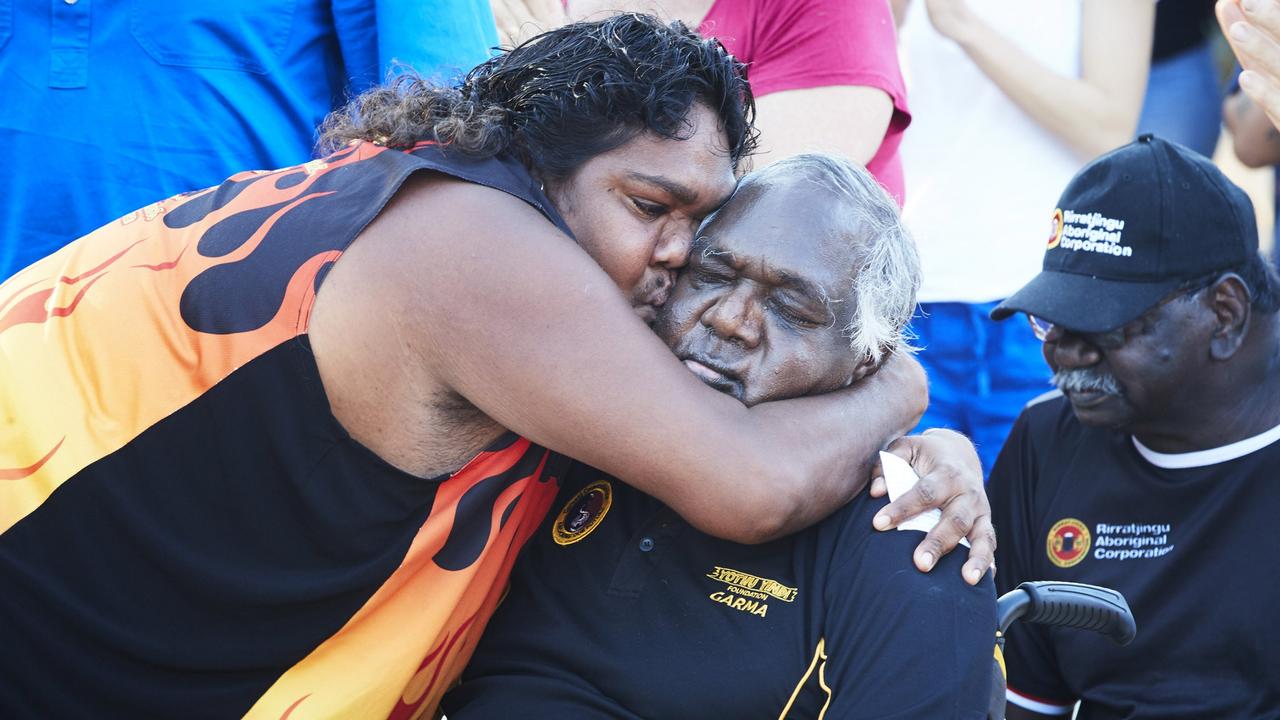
1093,113
1254,35
900,8
491,302
1255,139
519,20
848,120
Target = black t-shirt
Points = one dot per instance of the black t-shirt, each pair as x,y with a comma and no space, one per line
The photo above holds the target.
619,609
1190,540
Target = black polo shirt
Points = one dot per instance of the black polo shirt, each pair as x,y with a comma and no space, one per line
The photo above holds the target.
1188,538
620,609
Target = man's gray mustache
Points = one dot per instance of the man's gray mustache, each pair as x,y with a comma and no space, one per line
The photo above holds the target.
1086,380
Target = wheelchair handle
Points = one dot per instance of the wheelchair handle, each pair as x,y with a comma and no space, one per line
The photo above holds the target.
1066,604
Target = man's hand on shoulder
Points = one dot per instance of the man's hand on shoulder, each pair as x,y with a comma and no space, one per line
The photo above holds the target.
950,480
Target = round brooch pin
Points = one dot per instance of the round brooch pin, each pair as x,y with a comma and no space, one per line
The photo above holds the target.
582,513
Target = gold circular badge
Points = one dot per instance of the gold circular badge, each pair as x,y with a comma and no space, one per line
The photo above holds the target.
1055,229
1068,542
583,513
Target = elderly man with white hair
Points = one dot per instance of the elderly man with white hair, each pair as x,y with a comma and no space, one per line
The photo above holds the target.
800,284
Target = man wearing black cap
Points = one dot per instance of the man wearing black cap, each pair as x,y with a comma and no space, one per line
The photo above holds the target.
1153,468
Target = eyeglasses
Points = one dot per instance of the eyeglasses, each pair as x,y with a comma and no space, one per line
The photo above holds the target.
1115,338
1108,340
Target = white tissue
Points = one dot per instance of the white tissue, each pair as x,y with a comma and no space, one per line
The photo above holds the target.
900,478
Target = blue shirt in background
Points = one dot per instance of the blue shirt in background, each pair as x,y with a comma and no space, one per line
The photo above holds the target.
110,106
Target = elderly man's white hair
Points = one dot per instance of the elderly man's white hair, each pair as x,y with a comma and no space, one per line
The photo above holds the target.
887,271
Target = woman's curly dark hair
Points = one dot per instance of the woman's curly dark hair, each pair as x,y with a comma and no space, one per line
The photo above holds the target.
563,97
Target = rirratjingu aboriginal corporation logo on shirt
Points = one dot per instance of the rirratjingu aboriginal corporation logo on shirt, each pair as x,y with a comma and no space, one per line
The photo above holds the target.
1068,542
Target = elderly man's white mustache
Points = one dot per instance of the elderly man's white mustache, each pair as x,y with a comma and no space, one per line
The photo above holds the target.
1078,380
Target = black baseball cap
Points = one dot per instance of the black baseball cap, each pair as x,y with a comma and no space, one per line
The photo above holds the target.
1131,227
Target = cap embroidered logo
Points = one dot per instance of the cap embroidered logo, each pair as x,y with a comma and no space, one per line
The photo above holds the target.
1055,229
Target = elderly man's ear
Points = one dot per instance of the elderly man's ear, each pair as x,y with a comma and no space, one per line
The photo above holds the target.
1228,298
865,368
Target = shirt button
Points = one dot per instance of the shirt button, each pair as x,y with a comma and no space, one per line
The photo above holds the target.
70,2
646,544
